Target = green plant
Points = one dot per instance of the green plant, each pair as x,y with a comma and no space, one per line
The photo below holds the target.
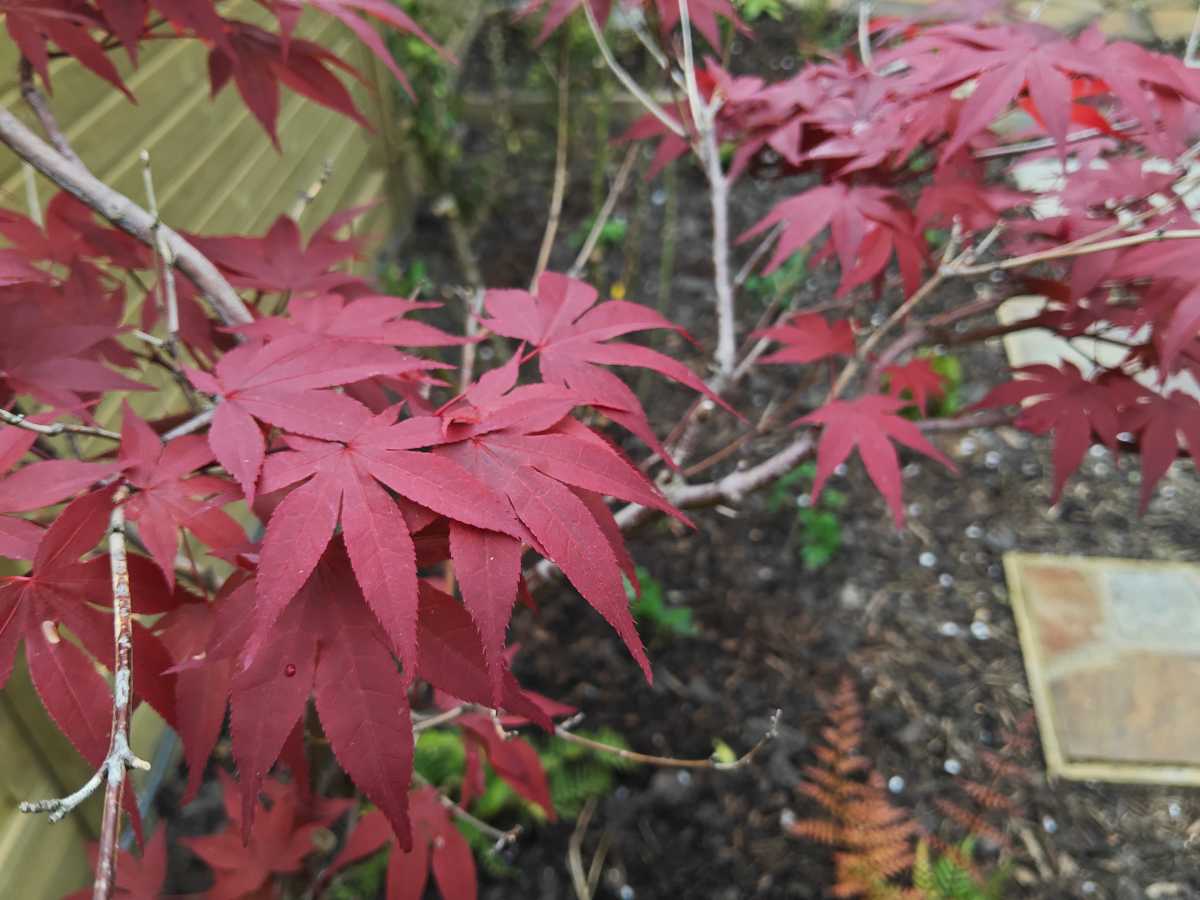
781,285
612,233
411,281
953,875
651,608
818,525
756,9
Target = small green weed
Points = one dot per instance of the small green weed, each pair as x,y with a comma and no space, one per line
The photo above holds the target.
651,608
818,528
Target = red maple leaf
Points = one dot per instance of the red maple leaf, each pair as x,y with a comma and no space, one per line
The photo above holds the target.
201,685
258,61
351,14
280,383
437,846
65,23
703,14
280,839
328,644
61,591
1160,423
870,424
1005,60
35,486
370,319
138,877
570,335
522,443
1075,408
808,337
866,223
514,760
918,378
46,352
280,260
166,499
345,482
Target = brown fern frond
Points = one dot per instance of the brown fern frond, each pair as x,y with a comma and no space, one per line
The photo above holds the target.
822,831
1003,768
971,822
872,838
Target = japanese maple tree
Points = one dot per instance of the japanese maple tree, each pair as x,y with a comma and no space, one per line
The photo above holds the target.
330,544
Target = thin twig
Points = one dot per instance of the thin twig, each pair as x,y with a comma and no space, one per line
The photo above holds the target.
602,217
19,420
125,214
670,762
1029,259
305,198
579,880
626,79
36,101
864,32
560,168
195,423
442,718
1193,43
162,255
1046,143
32,203
502,838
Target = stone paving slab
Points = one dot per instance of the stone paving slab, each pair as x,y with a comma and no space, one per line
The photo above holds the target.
1112,651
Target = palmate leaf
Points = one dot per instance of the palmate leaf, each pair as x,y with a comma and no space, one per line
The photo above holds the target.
281,383
571,336
871,425
329,646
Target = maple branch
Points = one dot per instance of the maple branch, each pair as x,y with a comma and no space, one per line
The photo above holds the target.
709,150
864,32
606,210
442,718
1047,143
1029,259
19,420
502,838
628,80
162,255
120,757
36,101
560,170
195,423
1193,42
125,214
563,732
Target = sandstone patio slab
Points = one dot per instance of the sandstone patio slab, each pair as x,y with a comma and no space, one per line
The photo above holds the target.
1112,651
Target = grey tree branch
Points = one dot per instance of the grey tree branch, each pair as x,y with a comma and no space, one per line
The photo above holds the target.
125,214
560,170
19,420
628,80
602,217
120,757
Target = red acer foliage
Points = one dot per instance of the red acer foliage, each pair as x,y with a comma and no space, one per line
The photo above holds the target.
918,379
328,546
284,836
870,425
438,847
